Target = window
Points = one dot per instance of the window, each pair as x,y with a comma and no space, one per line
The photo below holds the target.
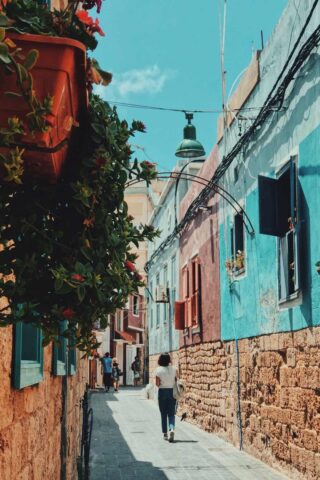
151,304
28,355
119,325
169,221
237,243
185,296
173,284
157,304
165,284
60,352
191,293
195,291
279,216
135,305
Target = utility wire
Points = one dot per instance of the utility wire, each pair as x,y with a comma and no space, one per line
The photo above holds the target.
179,110
274,100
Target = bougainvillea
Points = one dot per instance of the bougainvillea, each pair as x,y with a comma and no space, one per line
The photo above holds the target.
68,246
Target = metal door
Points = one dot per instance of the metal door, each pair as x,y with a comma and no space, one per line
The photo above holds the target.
131,351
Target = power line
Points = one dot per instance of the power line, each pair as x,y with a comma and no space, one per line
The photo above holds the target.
273,101
179,110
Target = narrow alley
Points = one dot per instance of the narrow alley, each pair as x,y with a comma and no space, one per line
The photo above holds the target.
127,444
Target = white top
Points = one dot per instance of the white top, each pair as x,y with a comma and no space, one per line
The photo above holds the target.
167,376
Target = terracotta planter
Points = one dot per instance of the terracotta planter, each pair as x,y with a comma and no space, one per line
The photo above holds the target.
61,73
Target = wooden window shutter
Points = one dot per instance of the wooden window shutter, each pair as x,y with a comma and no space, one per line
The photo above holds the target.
184,282
179,315
196,294
60,352
188,313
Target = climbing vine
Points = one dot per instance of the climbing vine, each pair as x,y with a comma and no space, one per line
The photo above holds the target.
66,249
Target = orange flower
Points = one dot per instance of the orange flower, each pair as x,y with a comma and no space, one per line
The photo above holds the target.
93,25
84,17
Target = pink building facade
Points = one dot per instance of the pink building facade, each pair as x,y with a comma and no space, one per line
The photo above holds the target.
199,266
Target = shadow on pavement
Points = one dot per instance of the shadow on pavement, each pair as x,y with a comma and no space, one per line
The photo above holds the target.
185,441
111,457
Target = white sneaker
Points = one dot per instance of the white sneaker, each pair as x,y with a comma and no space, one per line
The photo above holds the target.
165,436
171,436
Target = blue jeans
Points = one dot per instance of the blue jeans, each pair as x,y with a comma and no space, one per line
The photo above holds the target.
167,406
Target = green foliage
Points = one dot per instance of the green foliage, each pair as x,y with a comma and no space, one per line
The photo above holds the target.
68,246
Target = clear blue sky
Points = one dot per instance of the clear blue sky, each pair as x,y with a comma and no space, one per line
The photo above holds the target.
166,53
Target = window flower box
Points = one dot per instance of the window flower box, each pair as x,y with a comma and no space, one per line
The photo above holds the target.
60,72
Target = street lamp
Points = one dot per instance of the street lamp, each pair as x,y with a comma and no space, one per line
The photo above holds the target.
189,147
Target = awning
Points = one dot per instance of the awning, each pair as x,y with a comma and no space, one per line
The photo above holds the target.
125,336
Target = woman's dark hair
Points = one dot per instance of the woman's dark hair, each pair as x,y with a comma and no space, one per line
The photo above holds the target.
164,360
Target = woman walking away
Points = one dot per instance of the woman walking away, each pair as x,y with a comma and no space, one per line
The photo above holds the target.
166,376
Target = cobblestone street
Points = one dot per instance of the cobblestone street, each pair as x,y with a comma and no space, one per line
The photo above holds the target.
127,444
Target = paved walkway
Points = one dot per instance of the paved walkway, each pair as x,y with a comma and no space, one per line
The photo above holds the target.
127,444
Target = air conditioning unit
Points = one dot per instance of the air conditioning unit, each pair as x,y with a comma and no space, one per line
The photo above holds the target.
162,294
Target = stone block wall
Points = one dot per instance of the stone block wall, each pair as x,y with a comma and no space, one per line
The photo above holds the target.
30,420
279,379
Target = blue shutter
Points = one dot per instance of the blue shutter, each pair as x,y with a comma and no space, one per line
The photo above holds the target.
268,199
293,202
27,355
60,353
72,361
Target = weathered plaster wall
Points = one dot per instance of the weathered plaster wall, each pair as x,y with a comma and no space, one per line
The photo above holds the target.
30,428
279,391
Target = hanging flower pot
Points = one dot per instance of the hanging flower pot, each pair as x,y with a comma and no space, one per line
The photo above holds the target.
59,74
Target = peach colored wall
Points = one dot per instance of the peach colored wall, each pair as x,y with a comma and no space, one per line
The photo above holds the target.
201,237
30,428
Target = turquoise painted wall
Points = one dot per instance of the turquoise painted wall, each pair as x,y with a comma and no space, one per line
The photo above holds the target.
249,304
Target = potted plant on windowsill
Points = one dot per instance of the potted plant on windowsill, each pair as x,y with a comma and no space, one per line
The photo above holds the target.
43,79
236,266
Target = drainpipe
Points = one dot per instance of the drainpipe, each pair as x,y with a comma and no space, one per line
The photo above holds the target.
239,395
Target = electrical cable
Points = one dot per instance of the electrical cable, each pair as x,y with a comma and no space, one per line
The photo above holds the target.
273,102
168,109
204,182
